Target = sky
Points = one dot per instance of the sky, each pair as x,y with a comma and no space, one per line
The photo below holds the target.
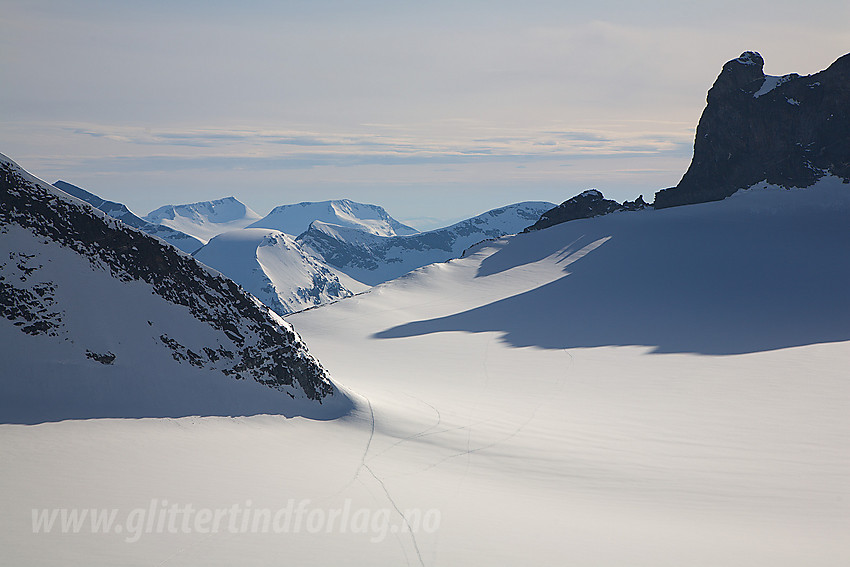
435,110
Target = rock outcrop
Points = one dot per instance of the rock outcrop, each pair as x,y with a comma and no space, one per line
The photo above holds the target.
588,204
788,131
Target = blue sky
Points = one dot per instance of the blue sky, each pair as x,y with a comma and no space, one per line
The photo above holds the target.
437,110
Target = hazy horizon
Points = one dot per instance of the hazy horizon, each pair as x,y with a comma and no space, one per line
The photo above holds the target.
436,112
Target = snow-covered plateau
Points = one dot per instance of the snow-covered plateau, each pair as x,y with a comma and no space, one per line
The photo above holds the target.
651,388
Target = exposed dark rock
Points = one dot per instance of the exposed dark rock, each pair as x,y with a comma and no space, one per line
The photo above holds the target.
788,131
590,203
30,305
106,358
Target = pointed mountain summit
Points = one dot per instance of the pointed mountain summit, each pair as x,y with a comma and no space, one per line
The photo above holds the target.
295,219
204,219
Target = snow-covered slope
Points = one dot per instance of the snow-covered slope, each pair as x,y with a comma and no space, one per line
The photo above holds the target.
272,266
659,388
120,211
205,219
373,259
295,219
100,319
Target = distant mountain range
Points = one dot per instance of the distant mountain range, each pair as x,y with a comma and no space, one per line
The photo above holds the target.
100,319
371,219
343,247
372,259
307,254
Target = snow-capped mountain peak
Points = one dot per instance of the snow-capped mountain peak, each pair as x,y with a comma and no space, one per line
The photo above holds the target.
373,259
274,268
205,219
295,219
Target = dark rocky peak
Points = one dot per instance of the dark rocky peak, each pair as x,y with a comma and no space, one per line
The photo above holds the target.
743,75
588,204
788,131
636,205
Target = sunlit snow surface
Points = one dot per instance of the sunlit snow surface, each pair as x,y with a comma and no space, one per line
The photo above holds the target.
659,388
371,219
206,219
272,266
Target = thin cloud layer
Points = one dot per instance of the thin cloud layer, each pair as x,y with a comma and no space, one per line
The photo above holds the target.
422,100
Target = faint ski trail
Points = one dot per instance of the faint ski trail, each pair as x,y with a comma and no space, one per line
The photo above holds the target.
559,386
400,513
363,465
422,433
356,474
377,498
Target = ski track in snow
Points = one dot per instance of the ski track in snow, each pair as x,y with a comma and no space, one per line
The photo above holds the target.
511,435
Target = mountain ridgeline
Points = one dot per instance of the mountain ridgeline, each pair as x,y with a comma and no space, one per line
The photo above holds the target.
371,259
205,219
588,204
119,211
296,219
272,266
81,288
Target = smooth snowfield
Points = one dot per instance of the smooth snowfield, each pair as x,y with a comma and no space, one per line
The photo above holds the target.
701,422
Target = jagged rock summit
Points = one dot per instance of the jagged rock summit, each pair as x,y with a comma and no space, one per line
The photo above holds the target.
588,204
788,131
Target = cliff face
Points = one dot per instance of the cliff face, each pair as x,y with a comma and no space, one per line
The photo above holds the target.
788,131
